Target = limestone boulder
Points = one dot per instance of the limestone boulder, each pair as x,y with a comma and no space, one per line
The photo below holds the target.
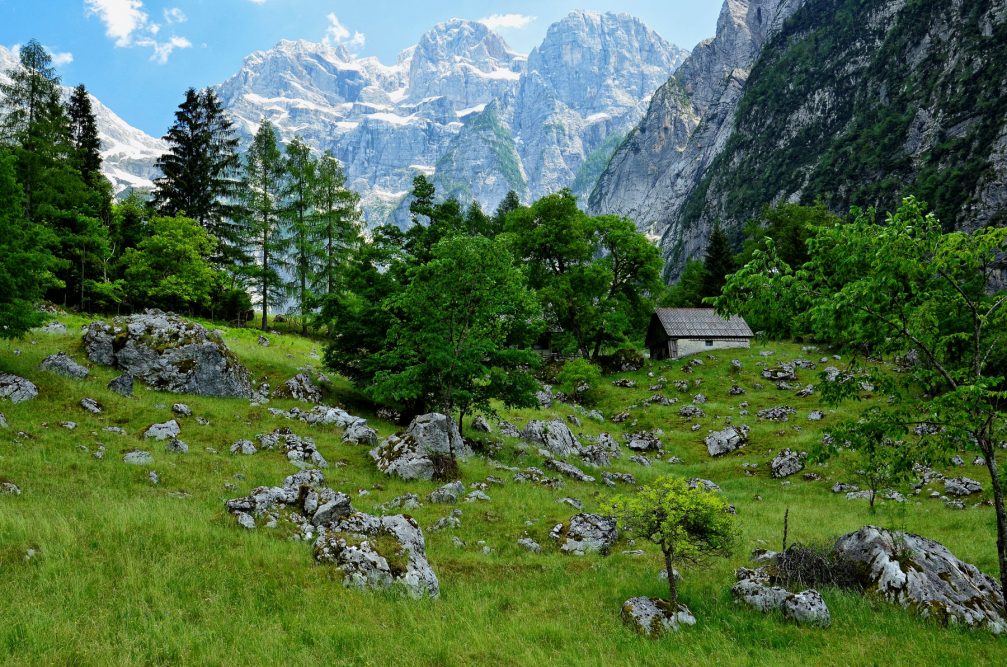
653,617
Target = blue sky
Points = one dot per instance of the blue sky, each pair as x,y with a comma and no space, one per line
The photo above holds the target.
138,56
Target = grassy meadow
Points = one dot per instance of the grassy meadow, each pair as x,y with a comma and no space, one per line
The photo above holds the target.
126,572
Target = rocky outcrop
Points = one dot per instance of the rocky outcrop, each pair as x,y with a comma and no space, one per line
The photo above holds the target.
653,617
300,451
168,354
62,364
16,389
554,435
923,575
723,442
786,463
421,451
300,388
586,533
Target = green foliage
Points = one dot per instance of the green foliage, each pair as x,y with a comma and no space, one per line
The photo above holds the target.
25,262
718,263
337,222
688,291
581,379
688,524
84,135
455,342
298,213
169,269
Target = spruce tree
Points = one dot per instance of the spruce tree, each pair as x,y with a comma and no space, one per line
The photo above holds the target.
718,263
298,212
262,189
84,138
198,170
511,202
338,220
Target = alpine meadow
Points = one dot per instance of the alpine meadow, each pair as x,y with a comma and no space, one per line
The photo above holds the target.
596,350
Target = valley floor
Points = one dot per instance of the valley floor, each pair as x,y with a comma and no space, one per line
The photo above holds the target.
127,572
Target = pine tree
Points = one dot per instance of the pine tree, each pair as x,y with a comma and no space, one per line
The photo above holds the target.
298,192
84,137
262,188
198,170
511,202
718,263
338,220
422,204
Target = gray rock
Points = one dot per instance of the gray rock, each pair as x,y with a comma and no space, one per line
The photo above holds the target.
181,409
300,388
62,364
786,463
643,442
169,429
378,552
300,451
118,430
586,533
263,341
52,329
653,617
569,470
359,433
138,458
554,435
480,425
530,545
816,416
245,520
705,483
923,575
68,425
413,455
122,385
90,405
477,496
777,414
449,493
962,486
691,412
176,446
807,608
408,501
611,478
246,447
15,389
723,442
168,354
3,421
9,489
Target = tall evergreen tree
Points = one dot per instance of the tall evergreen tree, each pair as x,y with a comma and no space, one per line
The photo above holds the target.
511,202
338,220
298,193
199,168
263,190
84,137
718,263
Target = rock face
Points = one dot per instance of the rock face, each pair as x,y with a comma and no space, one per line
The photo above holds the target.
586,533
554,435
723,442
169,354
461,107
723,136
416,453
652,617
925,576
62,364
16,389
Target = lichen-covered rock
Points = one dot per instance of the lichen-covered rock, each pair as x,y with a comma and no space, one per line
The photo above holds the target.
90,405
449,493
554,435
807,608
691,412
62,364
300,451
529,544
378,552
416,454
359,433
786,463
586,533
778,414
16,389
3,421
696,482
169,429
138,458
923,575
653,617
643,442
9,489
723,442
245,447
181,409
300,388
480,425
122,385
169,354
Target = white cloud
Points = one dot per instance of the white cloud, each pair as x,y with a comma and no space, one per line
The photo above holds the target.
174,15
508,21
129,25
257,2
339,35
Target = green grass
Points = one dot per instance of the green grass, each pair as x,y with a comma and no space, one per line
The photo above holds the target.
132,573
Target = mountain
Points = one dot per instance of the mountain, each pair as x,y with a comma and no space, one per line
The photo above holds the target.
128,154
851,102
461,107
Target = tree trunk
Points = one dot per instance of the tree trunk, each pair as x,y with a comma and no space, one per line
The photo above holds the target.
461,419
672,584
989,451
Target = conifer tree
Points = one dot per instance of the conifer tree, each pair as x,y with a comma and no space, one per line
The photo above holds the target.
84,138
298,193
199,168
718,263
338,220
263,189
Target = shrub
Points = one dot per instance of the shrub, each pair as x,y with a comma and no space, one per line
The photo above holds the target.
580,380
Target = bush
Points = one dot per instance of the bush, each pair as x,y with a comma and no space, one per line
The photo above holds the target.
814,566
580,379
626,360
